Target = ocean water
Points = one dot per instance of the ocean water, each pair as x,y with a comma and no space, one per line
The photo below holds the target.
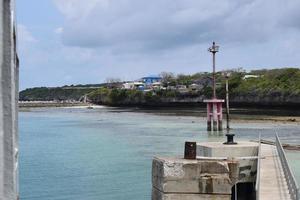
106,153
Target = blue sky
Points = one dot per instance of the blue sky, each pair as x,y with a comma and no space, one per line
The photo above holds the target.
76,42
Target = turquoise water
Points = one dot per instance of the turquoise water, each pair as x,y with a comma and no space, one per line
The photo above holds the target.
106,153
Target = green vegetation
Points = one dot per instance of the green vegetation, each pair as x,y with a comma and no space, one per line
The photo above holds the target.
118,96
51,94
285,81
281,85
276,86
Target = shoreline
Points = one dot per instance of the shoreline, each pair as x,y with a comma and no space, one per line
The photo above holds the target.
246,115
281,120
49,104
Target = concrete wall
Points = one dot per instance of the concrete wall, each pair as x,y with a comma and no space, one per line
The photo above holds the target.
247,166
176,178
8,103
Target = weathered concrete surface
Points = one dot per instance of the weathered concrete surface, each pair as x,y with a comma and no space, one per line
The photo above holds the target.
176,175
158,195
8,103
272,181
247,167
218,149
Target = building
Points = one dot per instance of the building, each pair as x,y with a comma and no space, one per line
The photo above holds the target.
250,76
133,85
157,86
144,84
139,85
149,80
8,103
128,85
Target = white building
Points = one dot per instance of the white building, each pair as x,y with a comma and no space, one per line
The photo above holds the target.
157,85
8,103
128,85
250,76
133,85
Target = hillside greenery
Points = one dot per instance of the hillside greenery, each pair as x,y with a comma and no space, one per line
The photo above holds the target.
278,86
50,94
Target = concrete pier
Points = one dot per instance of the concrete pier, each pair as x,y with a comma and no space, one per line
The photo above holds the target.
273,184
213,175
224,172
8,103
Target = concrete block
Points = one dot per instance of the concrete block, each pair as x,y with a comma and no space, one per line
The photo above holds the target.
158,195
247,167
175,175
218,149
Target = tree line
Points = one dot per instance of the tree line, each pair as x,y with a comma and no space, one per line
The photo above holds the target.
278,86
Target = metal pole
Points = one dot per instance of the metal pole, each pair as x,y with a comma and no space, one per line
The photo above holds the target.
227,104
214,73
214,49
235,190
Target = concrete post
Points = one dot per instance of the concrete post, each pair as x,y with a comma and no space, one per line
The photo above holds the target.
8,103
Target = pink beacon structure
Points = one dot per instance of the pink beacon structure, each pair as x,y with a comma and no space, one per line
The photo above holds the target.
214,105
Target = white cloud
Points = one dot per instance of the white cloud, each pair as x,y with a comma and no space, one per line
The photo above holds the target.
134,38
77,9
59,30
157,25
24,35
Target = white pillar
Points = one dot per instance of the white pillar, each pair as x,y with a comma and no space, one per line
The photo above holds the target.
8,103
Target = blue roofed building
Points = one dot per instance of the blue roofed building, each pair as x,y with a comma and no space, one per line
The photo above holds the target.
149,80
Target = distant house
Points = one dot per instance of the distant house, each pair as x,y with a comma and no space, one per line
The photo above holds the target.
182,89
196,87
133,85
139,85
128,85
171,87
157,86
149,80
145,84
250,76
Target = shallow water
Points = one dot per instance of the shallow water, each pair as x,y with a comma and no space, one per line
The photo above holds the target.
105,153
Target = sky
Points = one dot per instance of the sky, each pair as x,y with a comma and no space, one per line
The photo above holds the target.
63,42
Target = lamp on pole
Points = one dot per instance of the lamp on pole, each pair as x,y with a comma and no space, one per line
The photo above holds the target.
214,49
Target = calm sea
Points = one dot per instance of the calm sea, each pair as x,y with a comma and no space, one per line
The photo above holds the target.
106,153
